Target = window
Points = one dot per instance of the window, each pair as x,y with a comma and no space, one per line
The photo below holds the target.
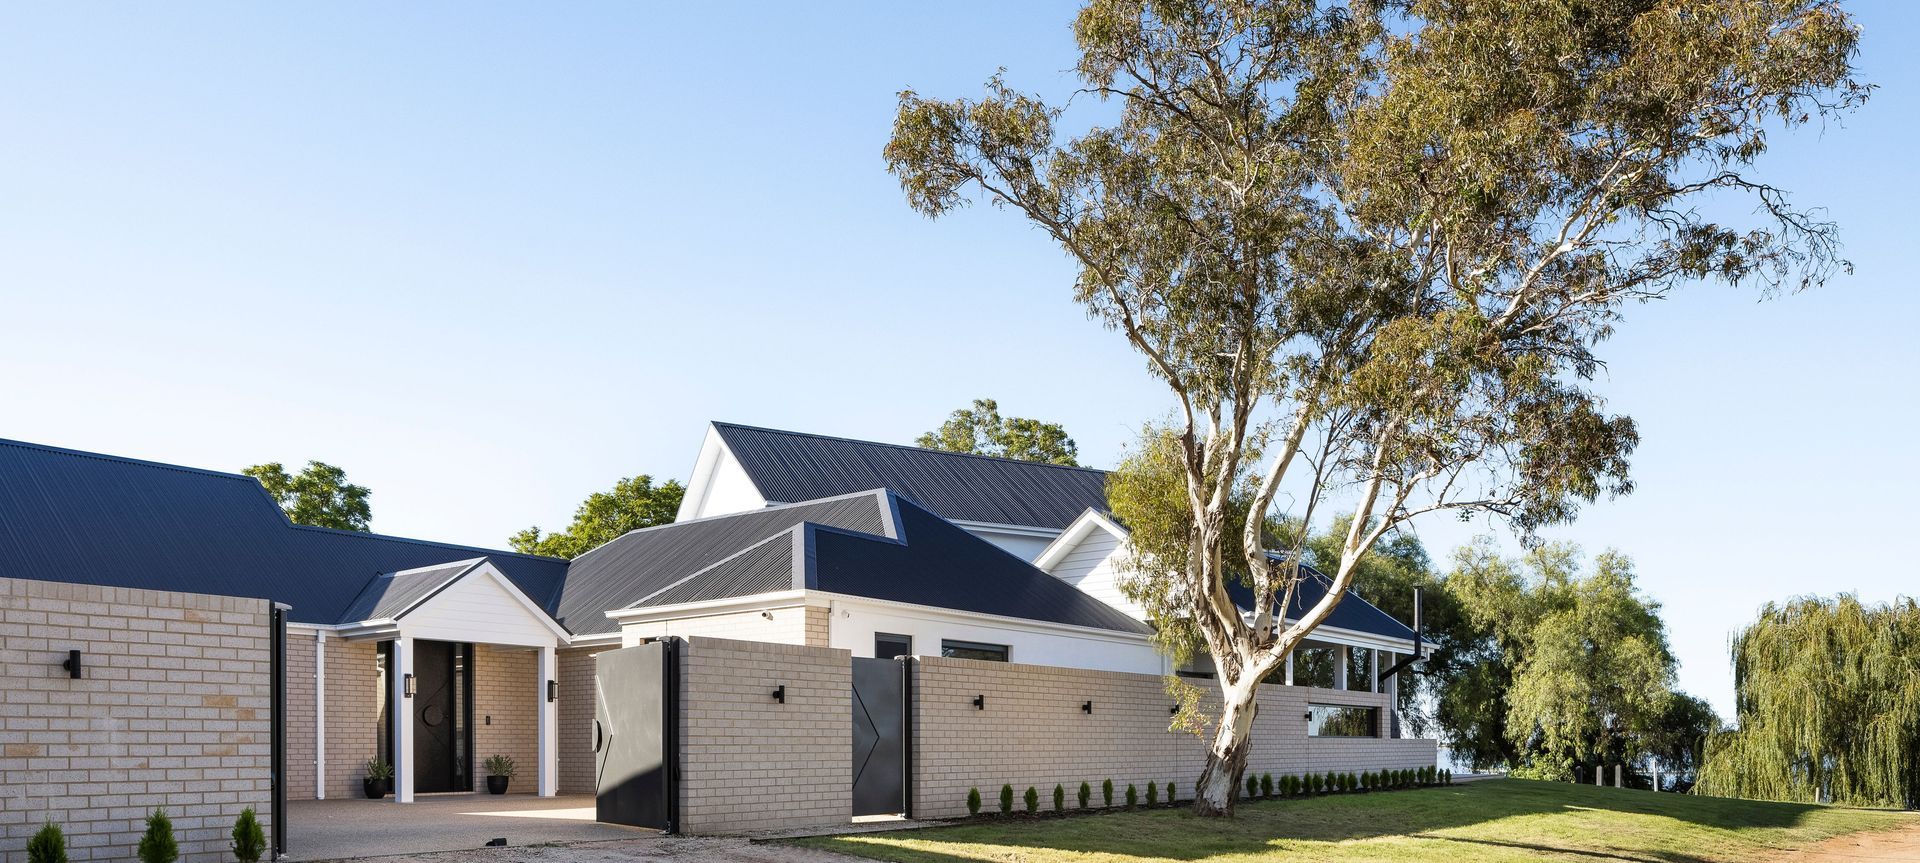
973,650
1313,666
1359,669
1337,720
887,645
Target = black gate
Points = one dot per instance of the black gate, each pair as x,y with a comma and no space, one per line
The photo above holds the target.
879,736
634,716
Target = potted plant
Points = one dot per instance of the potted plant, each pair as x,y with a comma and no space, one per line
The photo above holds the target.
379,779
499,770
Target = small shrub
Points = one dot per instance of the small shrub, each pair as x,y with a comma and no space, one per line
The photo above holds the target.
1059,798
1366,779
1171,797
499,765
1290,785
157,846
1133,795
249,841
1253,787
1106,792
1086,793
1333,782
1340,783
48,845
1006,799
1353,782
378,768
1153,794
973,801
1266,785
1032,799
1449,777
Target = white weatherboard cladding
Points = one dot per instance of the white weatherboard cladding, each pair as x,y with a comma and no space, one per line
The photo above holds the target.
1025,546
854,624
1094,566
719,485
477,608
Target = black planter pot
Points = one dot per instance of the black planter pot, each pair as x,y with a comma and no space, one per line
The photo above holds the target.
375,788
497,784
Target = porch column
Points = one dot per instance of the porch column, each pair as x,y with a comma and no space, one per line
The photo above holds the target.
1290,654
1340,667
402,714
549,758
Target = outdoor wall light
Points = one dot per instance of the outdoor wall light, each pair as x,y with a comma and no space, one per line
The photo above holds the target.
72,664
1174,710
780,693
979,702
553,690
406,685
1087,707
1309,716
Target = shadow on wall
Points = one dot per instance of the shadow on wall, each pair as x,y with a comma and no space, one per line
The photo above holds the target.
1288,828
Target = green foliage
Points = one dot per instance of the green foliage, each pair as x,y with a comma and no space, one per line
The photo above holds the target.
1368,780
1031,799
157,845
48,845
1253,786
1266,785
1086,794
499,765
1060,798
1372,249
1006,799
1172,795
1827,693
981,430
378,768
319,495
1331,783
249,841
1133,795
1106,792
1153,794
634,503
973,801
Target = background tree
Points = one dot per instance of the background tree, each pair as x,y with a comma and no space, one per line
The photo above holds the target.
981,430
1380,242
319,495
634,503
1827,694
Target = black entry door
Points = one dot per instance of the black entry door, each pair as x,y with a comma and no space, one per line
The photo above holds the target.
634,713
440,708
879,737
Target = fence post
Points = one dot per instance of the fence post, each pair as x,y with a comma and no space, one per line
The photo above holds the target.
1616,777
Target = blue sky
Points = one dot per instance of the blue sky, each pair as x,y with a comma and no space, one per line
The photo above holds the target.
490,259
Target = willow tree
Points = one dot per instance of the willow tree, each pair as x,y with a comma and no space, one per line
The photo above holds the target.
1827,694
1372,247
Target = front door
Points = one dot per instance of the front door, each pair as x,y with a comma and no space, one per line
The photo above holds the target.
441,707
879,737
635,707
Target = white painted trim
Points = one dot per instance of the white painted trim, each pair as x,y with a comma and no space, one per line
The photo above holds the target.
401,708
997,527
975,617
710,607
319,714
1076,533
390,627
548,758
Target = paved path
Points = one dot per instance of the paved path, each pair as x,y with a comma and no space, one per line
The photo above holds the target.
351,828
679,849
1881,846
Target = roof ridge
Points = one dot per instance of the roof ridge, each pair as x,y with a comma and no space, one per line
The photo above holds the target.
993,458
718,516
101,456
387,537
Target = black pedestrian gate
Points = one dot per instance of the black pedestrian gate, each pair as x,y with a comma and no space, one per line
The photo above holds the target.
880,736
635,712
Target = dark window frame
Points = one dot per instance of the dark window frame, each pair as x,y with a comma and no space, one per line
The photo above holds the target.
949,646
1343,719
891,636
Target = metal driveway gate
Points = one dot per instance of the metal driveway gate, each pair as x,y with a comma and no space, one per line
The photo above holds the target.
635,716
880,730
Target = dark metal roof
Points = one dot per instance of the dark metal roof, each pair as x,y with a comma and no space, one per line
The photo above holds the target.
766,567
629,569
1353,613
388,595
789,466
87,518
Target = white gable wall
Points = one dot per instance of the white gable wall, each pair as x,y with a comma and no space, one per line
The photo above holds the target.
1095,566
719,485
476,608
855,621
1025,544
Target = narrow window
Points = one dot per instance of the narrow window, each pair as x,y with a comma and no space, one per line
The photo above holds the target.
887,645
1313,666
1359,669
1339,720
973,650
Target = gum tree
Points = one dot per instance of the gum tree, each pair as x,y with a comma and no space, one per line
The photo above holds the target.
1371,248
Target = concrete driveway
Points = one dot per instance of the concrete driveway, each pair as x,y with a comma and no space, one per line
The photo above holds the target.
340,829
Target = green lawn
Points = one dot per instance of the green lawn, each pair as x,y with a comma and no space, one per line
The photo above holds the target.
1493,820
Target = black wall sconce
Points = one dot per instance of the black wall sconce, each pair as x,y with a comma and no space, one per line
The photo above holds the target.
406,685
553,690
780,693
72,664
979,702
1174,710
1309,716
1087,707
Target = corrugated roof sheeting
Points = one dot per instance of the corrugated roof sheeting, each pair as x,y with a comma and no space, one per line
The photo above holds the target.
790,466
93,519
389,594
764,568
629,569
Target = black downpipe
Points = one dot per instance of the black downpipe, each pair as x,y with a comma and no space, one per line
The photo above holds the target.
277,639
1417,642
670,735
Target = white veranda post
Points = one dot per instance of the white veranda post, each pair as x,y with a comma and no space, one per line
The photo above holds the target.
402,713
549,724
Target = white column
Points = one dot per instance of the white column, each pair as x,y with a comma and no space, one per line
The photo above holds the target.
1340,667
1290,654
319,714
402,721
1373,670
549,727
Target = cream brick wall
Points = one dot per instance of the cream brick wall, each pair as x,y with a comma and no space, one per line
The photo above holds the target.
576,720
301,742
1033,732
751,763
352,706
173,712
506,713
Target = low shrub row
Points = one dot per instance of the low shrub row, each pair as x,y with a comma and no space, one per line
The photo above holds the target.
157,845
1262,786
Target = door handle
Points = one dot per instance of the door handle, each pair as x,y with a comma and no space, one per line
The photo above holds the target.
599,735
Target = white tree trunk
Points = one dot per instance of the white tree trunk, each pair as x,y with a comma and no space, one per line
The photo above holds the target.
1219,783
